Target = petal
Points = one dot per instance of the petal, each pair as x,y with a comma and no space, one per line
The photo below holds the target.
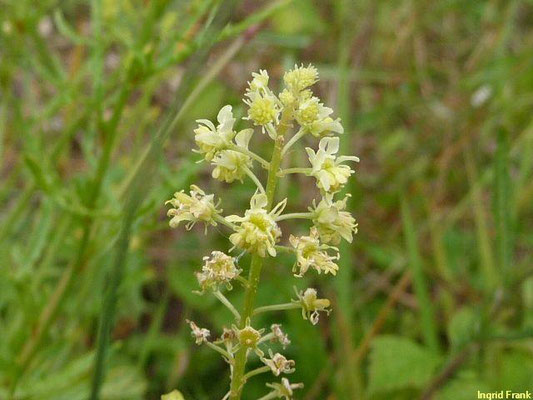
243,137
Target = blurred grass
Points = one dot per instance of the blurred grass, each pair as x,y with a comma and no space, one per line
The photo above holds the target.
436,100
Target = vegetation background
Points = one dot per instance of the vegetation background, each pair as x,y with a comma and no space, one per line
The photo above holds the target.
97,105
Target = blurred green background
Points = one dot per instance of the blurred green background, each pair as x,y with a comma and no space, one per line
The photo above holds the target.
97,107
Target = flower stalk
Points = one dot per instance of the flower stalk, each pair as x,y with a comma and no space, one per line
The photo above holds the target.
256,231
237,380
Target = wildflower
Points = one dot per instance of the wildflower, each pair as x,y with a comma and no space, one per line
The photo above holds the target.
279,335
193,208
284,390
231,165
258,232
300,78
332,222
200,334
311,305
263,106
278,363
314,116
217,269
310,253
330,173
211,139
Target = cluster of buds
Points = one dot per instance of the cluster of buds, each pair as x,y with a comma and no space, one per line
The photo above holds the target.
256,231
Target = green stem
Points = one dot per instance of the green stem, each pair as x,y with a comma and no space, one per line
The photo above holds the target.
255,372
277,307
295,170
264,163
228,304
237,379
294,216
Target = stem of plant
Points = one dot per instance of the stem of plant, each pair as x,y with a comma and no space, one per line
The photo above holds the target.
237,378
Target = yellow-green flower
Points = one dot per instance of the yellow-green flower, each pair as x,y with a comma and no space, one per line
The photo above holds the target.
192,208
218,269
315,117
310,253
332,221
257,231
231,165
211,139
311,305
263,106
300,77
331,175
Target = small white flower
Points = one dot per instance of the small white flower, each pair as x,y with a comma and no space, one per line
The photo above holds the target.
217,269
193,208
311,253
331,175
278,363
200,334
279,335
211,139
284,390
231,165
257,232
300,77
311,305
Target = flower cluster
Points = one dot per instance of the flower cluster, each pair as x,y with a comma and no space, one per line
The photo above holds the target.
256,231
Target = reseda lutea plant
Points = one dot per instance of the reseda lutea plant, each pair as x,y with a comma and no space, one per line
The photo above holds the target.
257,231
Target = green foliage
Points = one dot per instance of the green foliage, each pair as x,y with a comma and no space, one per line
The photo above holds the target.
398,363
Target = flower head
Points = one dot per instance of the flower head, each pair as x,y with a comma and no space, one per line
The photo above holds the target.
311,253
200,334
300,77
211,139
284,390
279,335
192,208
257,231
314,116
332,221
231,165
331,175
217,269
311,305
278,363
